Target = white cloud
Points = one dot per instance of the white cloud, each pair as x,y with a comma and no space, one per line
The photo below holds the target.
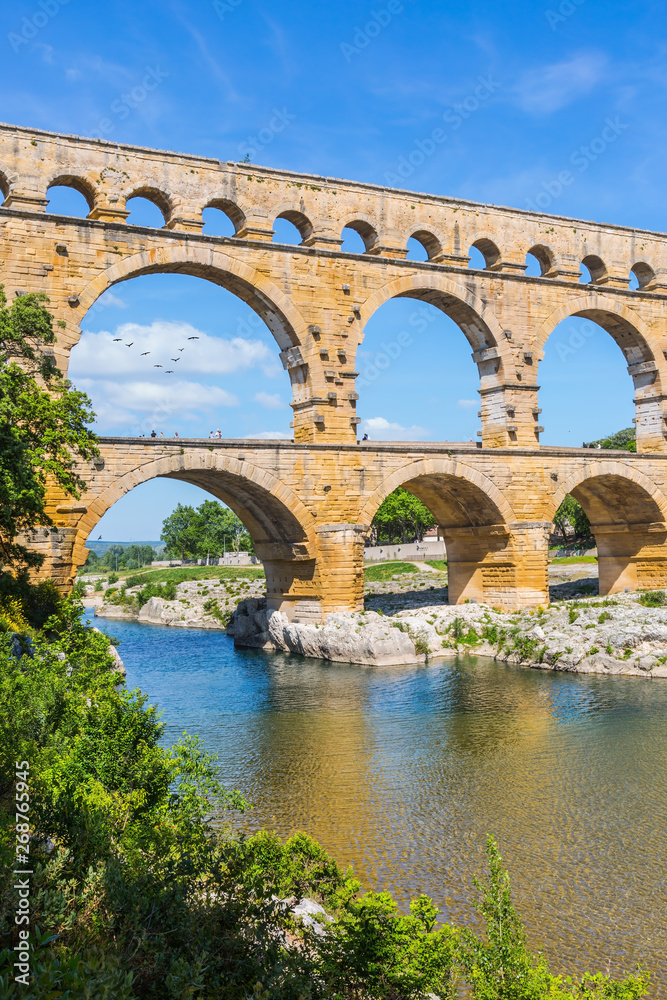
119,404
271,401
269,436
98,354
467,402
381,429
545,89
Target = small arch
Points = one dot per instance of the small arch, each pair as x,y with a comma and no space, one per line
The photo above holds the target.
539,261
224,218
642,273
593,270
157,198
429,244
70,195
296,226
489,252
363,229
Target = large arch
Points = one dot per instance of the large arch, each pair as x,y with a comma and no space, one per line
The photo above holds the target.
268,301
620,321
642,352
280,525
627,514
485,546
454,298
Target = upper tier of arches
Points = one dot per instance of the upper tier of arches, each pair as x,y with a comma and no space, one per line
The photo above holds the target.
441,234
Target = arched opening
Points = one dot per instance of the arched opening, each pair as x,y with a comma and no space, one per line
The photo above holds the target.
222,218
416,250
292,228
70,196
423,245
641,275
472,517
358,236
586,361
177,354
138,501
593,270
484,254
627,522
148,207
416,377
539,261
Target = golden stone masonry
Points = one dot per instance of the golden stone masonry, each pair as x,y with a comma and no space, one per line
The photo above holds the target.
308,503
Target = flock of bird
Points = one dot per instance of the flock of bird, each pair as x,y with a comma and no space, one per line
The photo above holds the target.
167,371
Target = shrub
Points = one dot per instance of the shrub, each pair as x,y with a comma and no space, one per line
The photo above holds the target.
653,598
113,578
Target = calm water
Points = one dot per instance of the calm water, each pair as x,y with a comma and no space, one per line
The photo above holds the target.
403,771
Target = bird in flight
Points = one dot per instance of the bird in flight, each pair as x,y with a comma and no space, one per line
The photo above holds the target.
129,345
193,338
98,537
116,339
181,348
157,366
175,359
145,353
169,371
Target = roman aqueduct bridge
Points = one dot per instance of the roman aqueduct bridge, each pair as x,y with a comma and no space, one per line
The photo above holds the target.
309,503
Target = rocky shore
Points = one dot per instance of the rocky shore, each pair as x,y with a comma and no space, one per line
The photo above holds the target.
407,620
615,635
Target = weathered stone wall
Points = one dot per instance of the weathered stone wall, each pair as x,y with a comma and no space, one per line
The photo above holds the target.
308,508
308,504
315,299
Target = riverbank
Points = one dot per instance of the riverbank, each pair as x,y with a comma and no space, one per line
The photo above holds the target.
615,635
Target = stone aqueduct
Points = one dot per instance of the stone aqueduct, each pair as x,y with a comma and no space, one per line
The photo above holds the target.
309,503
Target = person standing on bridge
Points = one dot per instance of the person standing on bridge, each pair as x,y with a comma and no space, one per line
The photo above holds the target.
153,434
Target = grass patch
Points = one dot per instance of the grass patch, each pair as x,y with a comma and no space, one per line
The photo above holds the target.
573,559
653,598
380,572
439,564
182,574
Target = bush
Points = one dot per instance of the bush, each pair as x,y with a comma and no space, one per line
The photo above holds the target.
653,598
113,578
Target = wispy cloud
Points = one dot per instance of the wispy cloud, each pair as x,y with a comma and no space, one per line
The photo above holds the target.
272,401
269,436
465,403
381,429
545,89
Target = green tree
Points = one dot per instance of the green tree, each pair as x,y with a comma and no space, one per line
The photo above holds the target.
43,427
572,515
401,517
204,531
621,441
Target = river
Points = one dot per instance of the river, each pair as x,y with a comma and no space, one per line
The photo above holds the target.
403,772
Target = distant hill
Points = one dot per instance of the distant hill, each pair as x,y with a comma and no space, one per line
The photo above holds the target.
99,548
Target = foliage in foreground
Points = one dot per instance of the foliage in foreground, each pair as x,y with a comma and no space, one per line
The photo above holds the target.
140,891
43,426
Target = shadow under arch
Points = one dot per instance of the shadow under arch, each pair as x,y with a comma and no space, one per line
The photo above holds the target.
474,518
266,299
455,299
627,514
280,525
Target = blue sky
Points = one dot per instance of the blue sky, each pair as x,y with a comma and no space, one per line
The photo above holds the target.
359,86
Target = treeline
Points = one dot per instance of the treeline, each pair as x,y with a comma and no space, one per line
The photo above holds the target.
121,557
